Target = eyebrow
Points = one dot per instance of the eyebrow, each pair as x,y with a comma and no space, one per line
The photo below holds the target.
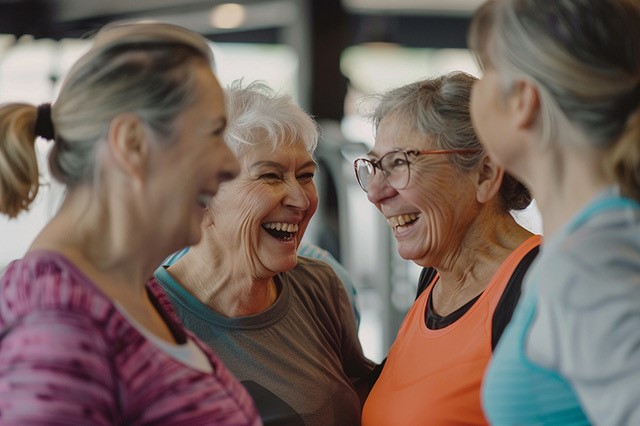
276,165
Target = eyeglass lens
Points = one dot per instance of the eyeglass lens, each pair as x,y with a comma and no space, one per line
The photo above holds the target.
394,166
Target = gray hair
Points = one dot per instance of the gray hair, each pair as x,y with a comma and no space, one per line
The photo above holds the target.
439,109
143,68
584,56
256,114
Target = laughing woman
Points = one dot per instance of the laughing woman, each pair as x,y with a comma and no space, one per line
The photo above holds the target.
282,323
449,207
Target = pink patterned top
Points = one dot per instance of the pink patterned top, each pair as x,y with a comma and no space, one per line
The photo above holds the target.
67,355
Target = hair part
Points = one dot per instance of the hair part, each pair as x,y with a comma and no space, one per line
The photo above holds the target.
256,114
584,57
145,68
438,108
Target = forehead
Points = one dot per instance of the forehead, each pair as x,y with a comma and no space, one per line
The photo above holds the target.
208,88
289,154
395,132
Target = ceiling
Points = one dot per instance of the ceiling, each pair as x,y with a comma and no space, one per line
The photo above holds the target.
64,18
413,6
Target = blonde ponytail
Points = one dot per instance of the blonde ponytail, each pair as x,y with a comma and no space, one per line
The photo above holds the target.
19,176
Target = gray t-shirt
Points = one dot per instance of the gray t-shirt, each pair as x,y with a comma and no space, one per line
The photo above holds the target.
304,349
587,323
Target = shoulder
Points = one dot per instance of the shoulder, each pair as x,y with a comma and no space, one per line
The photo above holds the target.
316,283
313,266
48,281
314,272
597,260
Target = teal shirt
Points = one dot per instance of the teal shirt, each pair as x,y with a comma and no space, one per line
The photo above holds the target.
516,391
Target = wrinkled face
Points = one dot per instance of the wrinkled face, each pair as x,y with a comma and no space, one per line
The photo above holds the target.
490,119
428,217
261,216
188,172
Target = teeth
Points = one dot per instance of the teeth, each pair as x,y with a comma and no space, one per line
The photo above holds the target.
402,219
281,226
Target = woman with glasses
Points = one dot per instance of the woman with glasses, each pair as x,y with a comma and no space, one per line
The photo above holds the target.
559,106
448,206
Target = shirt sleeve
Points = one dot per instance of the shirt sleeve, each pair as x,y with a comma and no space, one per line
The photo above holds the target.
55,366
587,327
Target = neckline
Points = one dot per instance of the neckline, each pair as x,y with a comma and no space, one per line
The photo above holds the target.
204,312
518,253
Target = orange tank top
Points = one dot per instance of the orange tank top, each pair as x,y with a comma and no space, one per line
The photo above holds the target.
433,377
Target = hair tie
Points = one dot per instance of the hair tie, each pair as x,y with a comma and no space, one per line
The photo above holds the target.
44,125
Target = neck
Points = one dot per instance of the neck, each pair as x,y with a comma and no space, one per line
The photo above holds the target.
216,279
110,250
467,271
564,188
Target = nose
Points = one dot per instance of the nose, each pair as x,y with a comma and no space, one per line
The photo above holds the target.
378,188
296,196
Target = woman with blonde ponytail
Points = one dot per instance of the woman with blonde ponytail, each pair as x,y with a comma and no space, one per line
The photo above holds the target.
559,107
86,338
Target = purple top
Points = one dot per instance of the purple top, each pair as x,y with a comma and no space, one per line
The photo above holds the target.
67,355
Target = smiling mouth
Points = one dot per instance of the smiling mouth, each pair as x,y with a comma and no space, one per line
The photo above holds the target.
402,220
280,230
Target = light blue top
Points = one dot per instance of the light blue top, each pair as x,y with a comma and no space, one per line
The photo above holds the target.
571,354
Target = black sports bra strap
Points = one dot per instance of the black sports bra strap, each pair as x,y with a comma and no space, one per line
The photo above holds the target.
426,276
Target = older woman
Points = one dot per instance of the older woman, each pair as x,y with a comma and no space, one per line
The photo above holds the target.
559,106
137,132
448,205
282,323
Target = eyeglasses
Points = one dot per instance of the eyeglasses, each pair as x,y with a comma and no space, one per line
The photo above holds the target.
395,166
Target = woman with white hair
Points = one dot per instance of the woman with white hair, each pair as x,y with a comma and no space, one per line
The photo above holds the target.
283,324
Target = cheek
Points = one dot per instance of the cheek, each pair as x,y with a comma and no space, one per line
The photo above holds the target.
428,186
312,196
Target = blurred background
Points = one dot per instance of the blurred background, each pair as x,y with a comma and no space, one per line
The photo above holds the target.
329,54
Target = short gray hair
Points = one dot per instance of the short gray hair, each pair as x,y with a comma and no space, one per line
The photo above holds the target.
439,109
258,115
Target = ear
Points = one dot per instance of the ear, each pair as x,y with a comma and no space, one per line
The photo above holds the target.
129,145
489,180
525,103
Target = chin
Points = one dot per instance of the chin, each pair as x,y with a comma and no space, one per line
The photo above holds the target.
194,237
408,254
284,265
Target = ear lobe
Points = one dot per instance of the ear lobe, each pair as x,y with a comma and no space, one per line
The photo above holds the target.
207,220
526,104
129,145
489,180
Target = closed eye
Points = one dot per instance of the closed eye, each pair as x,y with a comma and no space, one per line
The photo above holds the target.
306,177
270,177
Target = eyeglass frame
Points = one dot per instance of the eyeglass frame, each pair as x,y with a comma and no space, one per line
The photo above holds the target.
376,163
